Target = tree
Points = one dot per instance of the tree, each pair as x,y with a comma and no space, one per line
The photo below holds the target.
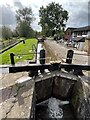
53,18
15,33
24,19
6,32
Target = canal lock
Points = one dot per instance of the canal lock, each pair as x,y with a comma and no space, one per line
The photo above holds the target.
56,96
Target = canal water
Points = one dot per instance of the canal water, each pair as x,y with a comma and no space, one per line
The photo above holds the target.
54,109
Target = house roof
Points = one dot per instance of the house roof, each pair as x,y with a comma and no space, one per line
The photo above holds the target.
86,28
71,28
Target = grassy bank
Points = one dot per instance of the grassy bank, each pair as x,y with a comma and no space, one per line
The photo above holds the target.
18,49
4,44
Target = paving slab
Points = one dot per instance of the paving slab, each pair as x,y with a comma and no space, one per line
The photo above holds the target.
17,100
9,79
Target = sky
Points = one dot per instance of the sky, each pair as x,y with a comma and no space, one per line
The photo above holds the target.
78,11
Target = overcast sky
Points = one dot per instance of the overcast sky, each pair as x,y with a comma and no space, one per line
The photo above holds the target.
78,11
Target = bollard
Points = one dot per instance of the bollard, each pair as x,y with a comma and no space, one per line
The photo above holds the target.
42,56
12,58
42,59
69,59
69,56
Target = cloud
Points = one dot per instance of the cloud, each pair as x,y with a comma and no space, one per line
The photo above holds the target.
78,14
8,15
35,26
89,13
18,4
78,11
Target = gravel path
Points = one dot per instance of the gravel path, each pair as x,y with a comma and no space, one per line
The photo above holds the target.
60,52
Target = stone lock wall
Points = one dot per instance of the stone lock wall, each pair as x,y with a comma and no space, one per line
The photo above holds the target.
43,89
59,87
63,88
81,100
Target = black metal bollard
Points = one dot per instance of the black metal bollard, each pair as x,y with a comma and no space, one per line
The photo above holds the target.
69,59
12,58
42,56
69,56
42,59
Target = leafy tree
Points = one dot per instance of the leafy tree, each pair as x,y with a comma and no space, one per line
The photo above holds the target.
24,19
53,18
23,29
15,33
6,32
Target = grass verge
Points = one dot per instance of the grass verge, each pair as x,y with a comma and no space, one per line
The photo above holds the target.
19,49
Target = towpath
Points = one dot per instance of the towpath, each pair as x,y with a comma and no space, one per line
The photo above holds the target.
60,52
